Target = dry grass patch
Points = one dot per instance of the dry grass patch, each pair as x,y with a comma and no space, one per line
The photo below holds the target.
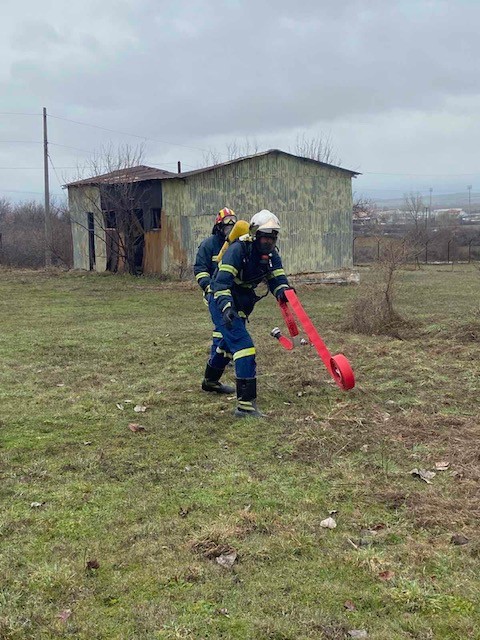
218,538
372,314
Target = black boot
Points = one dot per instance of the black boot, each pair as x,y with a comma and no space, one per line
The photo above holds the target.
247,399
211,381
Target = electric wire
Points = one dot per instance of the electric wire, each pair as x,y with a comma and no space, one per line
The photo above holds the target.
133,135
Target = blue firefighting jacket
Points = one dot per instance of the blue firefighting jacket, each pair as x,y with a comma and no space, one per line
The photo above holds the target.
240,271
206,260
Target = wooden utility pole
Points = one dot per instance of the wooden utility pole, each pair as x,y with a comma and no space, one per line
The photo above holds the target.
48,222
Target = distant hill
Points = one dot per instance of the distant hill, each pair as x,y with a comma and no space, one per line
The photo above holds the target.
439,201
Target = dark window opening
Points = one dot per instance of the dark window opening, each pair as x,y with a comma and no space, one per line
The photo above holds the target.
110,220
156,219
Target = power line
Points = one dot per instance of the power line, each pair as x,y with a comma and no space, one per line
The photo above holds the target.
55,144
18,113
133,135
95,126
55,171
37,193
21,141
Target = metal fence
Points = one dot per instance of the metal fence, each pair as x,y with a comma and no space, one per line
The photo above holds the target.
437,249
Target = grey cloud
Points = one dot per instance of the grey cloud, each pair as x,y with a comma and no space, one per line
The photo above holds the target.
190,71
35,36
269,68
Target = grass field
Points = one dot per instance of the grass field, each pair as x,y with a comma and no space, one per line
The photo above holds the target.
128,527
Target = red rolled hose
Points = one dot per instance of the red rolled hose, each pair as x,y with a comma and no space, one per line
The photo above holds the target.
337,366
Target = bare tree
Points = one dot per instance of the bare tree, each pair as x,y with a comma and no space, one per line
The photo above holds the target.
414,208
319,148
233,150
211,157
5,208
238,149
118,210
22,229
316,148
362,206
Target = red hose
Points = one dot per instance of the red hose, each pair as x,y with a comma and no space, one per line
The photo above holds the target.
337,366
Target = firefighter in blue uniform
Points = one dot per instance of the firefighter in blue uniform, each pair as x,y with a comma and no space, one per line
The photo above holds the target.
206,263
248,261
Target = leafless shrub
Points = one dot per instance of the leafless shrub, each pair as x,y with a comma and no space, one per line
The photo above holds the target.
373,311
22,229
182,270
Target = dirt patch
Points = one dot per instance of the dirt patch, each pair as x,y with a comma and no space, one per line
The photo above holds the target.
459,510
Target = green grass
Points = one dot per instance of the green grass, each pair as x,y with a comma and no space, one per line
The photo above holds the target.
154,509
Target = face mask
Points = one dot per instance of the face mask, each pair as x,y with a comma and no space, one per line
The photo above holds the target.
226,229
265,244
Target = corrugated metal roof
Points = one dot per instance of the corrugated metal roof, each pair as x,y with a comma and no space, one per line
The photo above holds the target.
143,173
185,174
130,174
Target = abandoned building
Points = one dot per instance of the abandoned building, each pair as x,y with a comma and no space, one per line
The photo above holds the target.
151,221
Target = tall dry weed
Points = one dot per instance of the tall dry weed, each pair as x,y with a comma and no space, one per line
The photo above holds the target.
373,311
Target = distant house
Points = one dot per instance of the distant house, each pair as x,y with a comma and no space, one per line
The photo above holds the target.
453,212
175,211
470,218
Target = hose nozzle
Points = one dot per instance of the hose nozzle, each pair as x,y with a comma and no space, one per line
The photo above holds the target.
276,333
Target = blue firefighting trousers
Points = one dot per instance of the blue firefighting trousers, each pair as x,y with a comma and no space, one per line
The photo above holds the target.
235,342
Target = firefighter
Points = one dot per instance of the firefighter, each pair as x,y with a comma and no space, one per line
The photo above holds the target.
248,261
204,268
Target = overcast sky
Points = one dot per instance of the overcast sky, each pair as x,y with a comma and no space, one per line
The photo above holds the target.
394,84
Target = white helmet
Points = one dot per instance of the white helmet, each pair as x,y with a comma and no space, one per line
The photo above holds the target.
265,221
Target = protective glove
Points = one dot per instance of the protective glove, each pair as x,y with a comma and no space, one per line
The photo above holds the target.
281,296
229,315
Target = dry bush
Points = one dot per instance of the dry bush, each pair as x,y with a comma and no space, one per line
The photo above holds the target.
22,228
373,309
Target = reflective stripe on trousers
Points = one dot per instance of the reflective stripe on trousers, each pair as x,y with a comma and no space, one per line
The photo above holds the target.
236,341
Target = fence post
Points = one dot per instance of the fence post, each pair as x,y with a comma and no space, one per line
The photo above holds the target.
426,251
448,250
353,249
470,250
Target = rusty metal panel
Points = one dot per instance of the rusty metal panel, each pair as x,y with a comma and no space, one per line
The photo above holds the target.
172,253
152,262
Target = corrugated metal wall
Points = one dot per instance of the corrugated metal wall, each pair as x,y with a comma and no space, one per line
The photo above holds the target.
81,200
313,202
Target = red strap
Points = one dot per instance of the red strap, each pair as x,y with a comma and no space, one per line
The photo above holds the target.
286,343
310,330
289,319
